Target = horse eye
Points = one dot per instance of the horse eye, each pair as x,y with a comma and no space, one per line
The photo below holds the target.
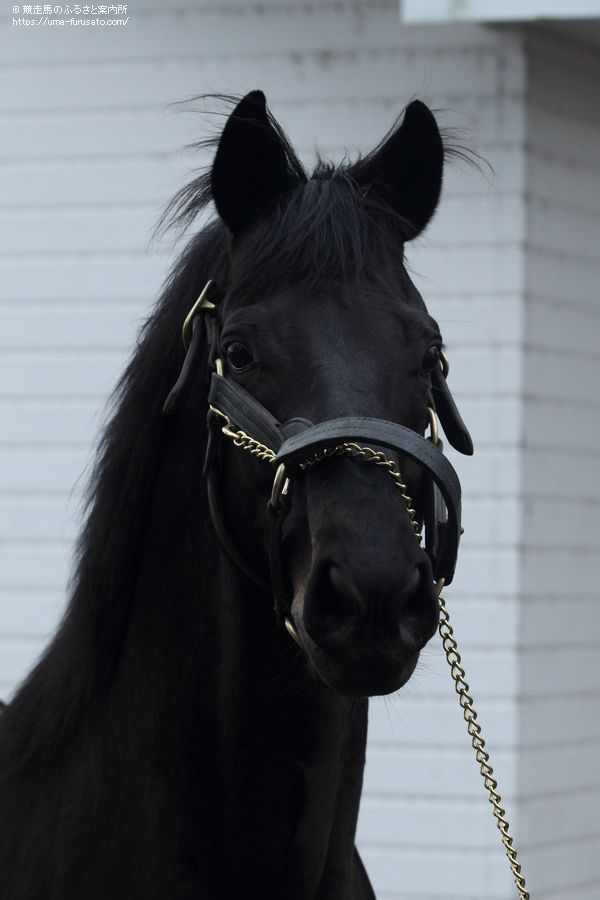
432,358
239,357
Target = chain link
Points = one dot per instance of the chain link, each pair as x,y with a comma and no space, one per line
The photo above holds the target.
376,457
243,440
477,742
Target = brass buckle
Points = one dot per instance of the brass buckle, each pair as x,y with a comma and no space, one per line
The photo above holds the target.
202,304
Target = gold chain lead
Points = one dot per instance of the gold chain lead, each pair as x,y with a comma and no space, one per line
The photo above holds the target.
477,742
367,454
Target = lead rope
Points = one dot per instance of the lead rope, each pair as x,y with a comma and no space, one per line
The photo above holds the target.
366,454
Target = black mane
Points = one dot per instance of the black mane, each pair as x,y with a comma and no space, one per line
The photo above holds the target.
140,452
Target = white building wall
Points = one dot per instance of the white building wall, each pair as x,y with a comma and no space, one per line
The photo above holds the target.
559,628
89,156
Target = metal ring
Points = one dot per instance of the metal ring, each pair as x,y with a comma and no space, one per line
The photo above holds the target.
280,486
291,630
445,363
433,425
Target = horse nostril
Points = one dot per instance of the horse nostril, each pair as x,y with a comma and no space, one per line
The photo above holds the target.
332,603
399,606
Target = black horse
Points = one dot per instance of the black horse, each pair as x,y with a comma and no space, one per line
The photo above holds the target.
173,741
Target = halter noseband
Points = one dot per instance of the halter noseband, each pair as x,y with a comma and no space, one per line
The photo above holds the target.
294,446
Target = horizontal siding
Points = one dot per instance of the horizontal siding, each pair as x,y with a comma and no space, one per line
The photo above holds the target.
468,874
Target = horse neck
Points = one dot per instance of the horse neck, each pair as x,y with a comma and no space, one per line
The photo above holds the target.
257,763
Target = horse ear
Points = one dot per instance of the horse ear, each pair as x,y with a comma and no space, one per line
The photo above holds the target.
407,167
251,165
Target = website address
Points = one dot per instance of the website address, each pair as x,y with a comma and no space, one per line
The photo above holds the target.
46,20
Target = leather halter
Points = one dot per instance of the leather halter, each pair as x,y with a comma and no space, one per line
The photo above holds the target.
289,445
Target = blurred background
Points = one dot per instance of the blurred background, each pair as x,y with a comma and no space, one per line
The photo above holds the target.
91,150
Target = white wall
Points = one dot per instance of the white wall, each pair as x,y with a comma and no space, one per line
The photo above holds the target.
89,155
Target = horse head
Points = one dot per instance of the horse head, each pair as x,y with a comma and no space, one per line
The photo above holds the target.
318,322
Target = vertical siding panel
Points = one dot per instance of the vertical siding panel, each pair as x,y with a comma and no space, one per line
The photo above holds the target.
560,815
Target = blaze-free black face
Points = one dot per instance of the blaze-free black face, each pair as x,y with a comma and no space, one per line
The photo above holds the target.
319,321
